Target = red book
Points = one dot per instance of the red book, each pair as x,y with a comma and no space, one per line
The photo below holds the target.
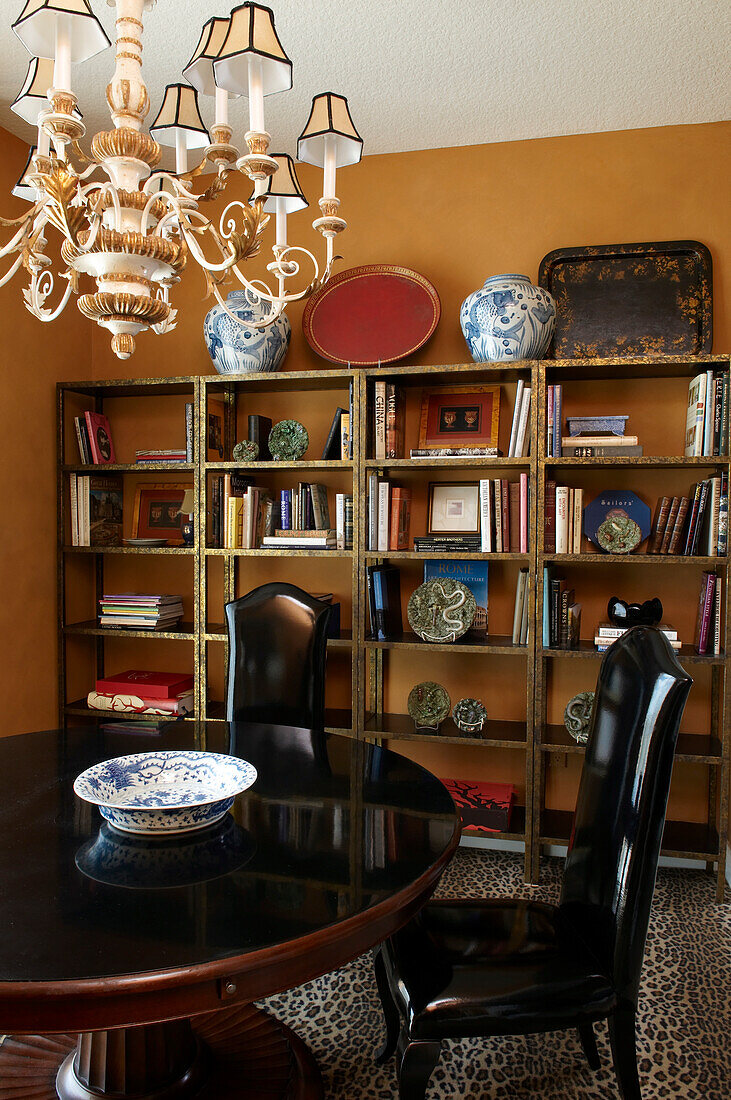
485,807
395,413
505,497
514,488
524,513
100,438
150,685
549,536
705,605
398,531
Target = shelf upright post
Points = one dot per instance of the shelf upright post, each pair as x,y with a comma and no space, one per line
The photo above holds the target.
99,575
60,538
200,563
533,711
358,653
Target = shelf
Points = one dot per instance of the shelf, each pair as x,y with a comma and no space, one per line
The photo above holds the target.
216,632
681,839
588,649
129,550
647,366
645,461
80,707
437,375
302,464
278,551
337,720
515,832
693,748
129,467
138,387
494,734
443,463
456,555
493,643
185,630
295,380
635,559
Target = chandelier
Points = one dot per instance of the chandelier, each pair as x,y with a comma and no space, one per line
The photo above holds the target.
130,226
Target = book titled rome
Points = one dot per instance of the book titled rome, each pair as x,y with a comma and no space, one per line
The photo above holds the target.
471,573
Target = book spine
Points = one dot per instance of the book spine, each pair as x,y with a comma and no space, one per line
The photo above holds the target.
549,519
676,537
80,440
189,431
516,417
86,509
562,519
570,522
498,515
379,414
454,452
523,640
340,521
383,515
518,607
523,513
702,508
522,436
723,517
557,417
601,451
659,524
670,525
725,387
372,512
714,513
348,521
546,616
703,635
351,422
394,521
708,407
395,415
687,549
717,616
514,511
717,413
378,607
285,509
555,611
332,444
563,639
345,440
74,510
505,505
549,423
578,518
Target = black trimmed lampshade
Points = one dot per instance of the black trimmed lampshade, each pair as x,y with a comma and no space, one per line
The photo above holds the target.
284,185
330,114
199,70
179,114
36,28
32,97
23,190
251,32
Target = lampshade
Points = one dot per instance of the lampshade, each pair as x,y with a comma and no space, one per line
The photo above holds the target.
187,505
32,97
179,115
284,185
329,115
36,28
251,33
23,190
199,70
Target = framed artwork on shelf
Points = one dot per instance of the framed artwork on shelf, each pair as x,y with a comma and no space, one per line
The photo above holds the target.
214,431
158,512
459,416
454,508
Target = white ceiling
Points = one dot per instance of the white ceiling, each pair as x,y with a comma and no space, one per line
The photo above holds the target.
423,74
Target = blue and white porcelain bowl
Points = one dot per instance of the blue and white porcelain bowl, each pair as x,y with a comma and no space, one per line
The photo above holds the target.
158,793
237,348
508,318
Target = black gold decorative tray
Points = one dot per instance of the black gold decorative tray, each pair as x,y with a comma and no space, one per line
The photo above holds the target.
630,299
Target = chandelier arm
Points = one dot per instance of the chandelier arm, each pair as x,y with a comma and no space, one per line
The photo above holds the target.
228,264
27,224
41,286
11,271
285,299
249,286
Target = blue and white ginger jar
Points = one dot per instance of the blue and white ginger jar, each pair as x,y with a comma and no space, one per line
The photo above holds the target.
508,318
236,348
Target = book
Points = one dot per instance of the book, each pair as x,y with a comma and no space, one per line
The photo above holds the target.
505,512
383,515
398,538
153,685
676,538
521,589
331,450
710,529
524,499
129,702
716,618
258,429
567,598
574,625
484,807
717,413
471,573
610,632
708,415
349,521
606,439
285,506
705,490
659,523
340,520
345,440
694,418
300,540
485,516
386,621
498,514
549,519
320,507
725,395
395,420
549,423
723,516
372,513
516,416
351,422
602,451
101,507
557,418
100,438
578,513
74,511
379,418
692,518
670,525
514,511
454,452
82,438
703,619
562,519
214,430
522,435
447,542
312,536
189,450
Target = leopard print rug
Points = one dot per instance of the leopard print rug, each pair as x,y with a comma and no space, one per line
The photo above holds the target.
684,1028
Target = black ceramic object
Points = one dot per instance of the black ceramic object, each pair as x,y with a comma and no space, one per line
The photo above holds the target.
493,967
277,652
621,613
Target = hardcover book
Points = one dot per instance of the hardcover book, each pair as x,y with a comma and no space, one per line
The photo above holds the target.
100,438
485,807
103,506
471,573
259,428
395,416
331,450
151,685
400,518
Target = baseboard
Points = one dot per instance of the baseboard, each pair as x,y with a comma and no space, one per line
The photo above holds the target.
559,850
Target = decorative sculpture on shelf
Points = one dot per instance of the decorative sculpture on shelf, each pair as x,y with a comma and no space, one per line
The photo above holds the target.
625,614
577,716
428,704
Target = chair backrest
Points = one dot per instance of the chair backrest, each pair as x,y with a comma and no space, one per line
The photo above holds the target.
277,653
610,870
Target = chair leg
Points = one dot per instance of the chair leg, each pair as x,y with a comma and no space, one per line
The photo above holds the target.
624,1053
588,1045
390,1011
417,1062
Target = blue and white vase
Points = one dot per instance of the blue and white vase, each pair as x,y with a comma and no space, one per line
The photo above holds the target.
508,318
237,348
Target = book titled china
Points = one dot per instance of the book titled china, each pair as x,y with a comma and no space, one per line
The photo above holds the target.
471,573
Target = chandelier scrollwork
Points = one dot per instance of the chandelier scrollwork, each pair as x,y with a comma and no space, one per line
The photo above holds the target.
130,226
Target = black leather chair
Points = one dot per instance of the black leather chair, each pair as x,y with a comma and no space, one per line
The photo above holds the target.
277,653
484,967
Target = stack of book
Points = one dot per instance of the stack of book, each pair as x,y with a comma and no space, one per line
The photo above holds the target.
454,452
389,515
519,445
389,407
707,418
384,601
520,611
95,509
561,613
173,456
94,437
140,612
708,622
484,807
504,511
470,544
563,519
601,445
138,691
301,540
607,633
693,524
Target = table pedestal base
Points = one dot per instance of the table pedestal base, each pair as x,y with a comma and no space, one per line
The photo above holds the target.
239,1053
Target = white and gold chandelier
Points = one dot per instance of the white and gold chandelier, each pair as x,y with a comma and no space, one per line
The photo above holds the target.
130,227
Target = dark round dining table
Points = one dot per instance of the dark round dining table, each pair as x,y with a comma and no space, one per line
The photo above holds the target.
129,966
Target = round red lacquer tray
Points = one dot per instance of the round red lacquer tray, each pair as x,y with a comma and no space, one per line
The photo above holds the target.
371,314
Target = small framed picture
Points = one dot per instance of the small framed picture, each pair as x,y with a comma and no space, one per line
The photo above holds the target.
454,508
215,430
460,416
157,513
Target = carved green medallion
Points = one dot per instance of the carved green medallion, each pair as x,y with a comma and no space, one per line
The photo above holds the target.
441,610
619,535
469,715
246,451
428,704
288,441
